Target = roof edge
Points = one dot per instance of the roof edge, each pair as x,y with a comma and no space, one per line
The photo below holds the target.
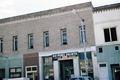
106,7
46,12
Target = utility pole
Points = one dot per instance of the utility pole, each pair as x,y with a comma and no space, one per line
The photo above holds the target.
84,45
82,24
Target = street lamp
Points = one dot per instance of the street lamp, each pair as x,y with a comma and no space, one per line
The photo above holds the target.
82,26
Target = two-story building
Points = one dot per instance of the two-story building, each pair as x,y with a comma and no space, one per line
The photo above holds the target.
52,44
107,40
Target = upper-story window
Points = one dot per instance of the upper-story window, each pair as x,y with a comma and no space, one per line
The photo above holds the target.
100,50
46,39
1,45
64,36
116,47
82,31
30,41
15,43
110,34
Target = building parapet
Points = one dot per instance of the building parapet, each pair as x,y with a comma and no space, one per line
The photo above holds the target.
106,7
46,12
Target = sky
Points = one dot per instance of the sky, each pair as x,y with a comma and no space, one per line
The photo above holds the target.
9,8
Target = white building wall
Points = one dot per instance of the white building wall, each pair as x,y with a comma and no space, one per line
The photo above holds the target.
106,19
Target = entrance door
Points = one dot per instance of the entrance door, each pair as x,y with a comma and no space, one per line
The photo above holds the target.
103,71
66,69
117,73
31,72
32,75
2,74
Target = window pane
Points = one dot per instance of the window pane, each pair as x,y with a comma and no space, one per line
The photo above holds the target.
107,35
48,68
12,70
113,34
30,41
34,68
82,34
1,45
29,69
18,70
116,47
89,56
82,56
2,73
15,72
15,43
102,65
46,39
64,36
100,50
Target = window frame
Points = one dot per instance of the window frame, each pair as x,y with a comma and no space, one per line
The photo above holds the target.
116,48
100,49
64,37
30,41
82,32
31,69
1,45
15,72
102,65
111,39
46,41
15,43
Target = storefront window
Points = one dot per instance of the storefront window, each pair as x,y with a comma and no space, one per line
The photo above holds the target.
2,74
89,64
48,68
15,72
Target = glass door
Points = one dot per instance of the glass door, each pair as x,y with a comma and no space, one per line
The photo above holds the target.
32,75
66,69
31,72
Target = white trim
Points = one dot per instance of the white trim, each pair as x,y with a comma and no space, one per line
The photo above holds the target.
48,53
76,66
30,71
41,68
56,70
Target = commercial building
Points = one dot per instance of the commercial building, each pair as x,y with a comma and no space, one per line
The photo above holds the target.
52,44
107,40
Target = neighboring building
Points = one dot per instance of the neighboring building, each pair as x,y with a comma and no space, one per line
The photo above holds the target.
49,44
107,38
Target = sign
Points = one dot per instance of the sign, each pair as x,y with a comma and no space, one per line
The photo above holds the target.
61,55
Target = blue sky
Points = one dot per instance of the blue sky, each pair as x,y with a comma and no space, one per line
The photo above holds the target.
10,8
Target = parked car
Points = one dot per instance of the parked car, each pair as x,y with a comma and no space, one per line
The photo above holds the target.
81,78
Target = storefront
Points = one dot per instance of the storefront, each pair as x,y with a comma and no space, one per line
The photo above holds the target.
11,66
31,66
62,66
115,68
2,68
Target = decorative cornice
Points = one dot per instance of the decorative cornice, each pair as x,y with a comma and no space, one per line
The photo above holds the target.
47,12
106,7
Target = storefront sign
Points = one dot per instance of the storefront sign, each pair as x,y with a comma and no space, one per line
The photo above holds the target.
61,55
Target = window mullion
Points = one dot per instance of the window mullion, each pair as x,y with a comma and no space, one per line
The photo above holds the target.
110,34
